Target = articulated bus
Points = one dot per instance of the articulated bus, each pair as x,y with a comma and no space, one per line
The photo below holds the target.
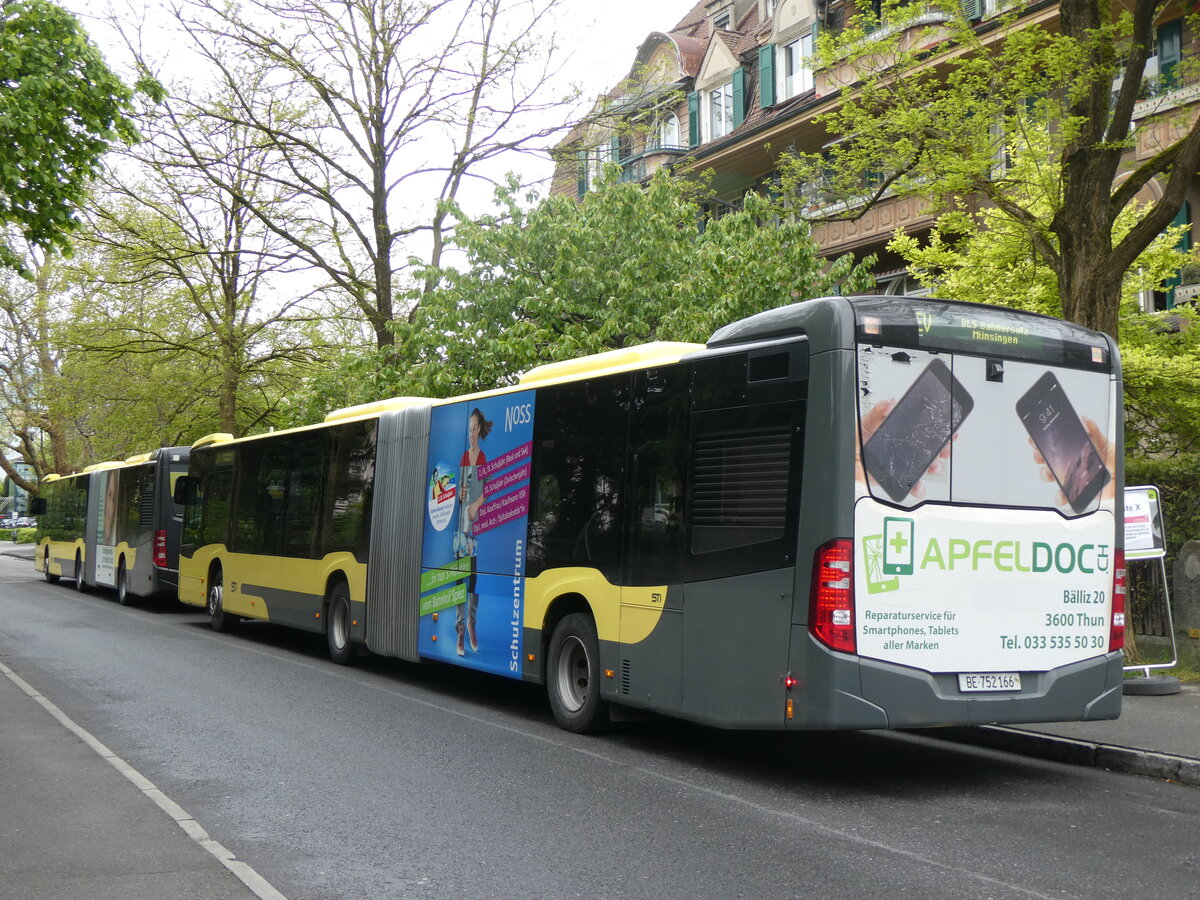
868,512
115,524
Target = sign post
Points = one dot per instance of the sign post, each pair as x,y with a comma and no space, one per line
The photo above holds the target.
1146,539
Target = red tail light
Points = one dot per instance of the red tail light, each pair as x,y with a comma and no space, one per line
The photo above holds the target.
1116,633
160,549
831,600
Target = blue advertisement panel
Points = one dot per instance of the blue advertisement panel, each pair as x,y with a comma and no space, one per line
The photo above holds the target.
473,548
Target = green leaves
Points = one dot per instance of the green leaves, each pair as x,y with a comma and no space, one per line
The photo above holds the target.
61,108
625,265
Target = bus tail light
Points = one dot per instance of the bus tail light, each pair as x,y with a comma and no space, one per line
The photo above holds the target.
160,549
831,600
1116,633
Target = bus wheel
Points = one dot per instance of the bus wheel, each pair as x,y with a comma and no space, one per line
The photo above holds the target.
573,675
221,620
337,625
80,585
122,585
53,579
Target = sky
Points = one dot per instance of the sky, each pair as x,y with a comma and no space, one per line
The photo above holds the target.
601,36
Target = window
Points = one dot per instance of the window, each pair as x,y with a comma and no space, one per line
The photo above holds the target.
795,75
668,132
722,21
720,111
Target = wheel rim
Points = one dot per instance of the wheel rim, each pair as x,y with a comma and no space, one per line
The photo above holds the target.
339,625
214,599
573,674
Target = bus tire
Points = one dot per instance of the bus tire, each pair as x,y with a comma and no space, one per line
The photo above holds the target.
123,595
222,621
53,579
80,584
573,676
337,625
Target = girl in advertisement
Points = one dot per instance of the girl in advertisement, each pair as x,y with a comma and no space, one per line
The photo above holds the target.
470,498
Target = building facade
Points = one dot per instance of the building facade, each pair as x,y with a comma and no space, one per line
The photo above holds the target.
733,85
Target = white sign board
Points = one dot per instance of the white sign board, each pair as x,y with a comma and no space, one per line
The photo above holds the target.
1145,537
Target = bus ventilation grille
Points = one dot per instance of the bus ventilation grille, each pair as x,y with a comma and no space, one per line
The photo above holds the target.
625,676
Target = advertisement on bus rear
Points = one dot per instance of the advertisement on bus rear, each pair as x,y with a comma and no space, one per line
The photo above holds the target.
985,523
476,521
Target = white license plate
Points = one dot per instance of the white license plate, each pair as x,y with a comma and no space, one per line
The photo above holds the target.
989,681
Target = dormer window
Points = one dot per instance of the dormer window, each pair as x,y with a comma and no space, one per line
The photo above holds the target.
720,111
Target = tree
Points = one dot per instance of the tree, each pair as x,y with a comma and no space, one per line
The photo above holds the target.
398,104
61,108
986,257
193,277
934,111
627,264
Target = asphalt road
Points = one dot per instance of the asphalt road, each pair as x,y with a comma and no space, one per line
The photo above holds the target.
399,780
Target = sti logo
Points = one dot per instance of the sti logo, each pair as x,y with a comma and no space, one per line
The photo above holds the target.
889,555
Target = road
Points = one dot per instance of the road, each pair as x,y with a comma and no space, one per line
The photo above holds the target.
398,780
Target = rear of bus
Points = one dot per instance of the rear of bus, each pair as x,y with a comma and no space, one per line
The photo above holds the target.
973,572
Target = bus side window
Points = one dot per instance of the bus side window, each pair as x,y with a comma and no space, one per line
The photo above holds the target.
658,446
580,430
747,443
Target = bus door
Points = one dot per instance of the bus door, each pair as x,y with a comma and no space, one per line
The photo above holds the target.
746,449
652,592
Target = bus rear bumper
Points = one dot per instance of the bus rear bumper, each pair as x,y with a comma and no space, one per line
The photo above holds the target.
1087,690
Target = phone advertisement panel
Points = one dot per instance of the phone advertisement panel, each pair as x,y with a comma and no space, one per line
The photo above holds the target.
473,547
985,524
965,429
1012,590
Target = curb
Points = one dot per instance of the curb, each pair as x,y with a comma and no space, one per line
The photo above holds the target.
1166,766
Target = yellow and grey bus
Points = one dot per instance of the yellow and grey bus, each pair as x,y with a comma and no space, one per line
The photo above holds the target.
115,524
867,512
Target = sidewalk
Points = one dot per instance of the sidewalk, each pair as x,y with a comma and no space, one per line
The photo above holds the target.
78,822
1158,736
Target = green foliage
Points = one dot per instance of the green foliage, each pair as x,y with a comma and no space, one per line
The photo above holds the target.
935,109
625,265
1179,480
61,108
988,257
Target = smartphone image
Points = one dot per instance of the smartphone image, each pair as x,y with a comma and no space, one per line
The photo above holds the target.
1060,437
915,431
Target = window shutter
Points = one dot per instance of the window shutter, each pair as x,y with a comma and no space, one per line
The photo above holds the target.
739,96
816,29
766,76
972,9
614,146
581,184
1170,39
694,119
1183,217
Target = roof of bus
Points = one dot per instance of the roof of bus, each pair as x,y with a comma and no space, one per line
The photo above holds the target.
606,363
642,356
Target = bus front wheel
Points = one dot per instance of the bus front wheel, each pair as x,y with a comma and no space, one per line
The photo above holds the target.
337,625
80,584
573,675
221,620
53,579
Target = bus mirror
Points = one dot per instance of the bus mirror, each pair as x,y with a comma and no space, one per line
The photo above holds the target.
37,506
187,490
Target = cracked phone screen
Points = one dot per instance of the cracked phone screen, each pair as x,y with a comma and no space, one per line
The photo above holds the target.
916,430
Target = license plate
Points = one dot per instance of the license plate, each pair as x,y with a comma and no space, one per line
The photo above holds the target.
989,681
